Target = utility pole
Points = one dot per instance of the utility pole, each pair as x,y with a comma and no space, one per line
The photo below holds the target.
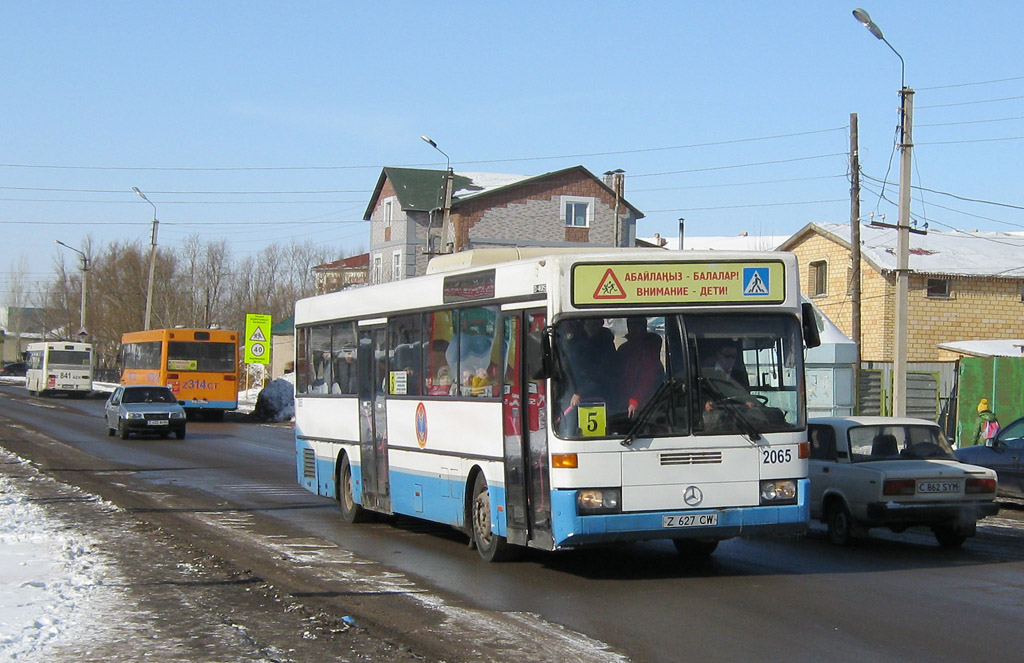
899,378
449,184
855,294
903,230
82,330
152,260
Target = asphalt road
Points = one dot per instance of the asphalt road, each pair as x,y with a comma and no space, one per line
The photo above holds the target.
230,487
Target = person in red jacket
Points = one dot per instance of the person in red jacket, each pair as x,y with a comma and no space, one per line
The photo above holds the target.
639,360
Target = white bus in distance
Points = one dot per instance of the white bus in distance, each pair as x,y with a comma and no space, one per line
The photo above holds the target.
59,367
563,398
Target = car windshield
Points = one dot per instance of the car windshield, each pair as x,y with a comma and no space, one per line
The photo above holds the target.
637,376
898,442
153,395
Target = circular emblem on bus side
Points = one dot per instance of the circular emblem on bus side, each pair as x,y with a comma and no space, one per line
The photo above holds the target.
421,425
692,496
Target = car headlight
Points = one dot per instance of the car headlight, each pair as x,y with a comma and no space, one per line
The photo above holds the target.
778,491
135,415
591,501
177,415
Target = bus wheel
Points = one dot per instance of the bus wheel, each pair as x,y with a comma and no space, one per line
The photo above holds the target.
350,511
492,548
122,429
695,549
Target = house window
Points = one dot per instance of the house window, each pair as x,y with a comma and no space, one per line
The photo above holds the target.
396,266
938,287
389,212
577,212
819,278
377,276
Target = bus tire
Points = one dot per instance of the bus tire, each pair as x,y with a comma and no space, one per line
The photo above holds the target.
350,510
492,547
122,429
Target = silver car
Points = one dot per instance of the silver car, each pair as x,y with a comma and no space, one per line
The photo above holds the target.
145,410
894,472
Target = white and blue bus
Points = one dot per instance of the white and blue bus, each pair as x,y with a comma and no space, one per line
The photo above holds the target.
553,399
59,367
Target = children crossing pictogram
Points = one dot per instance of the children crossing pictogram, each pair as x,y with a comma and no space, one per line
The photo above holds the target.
609,287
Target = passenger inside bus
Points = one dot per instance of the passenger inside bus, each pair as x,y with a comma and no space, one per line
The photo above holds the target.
639,360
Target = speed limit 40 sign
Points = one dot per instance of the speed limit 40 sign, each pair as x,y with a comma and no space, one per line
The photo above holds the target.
257,338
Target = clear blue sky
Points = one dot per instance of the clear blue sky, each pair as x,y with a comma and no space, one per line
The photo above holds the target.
264,121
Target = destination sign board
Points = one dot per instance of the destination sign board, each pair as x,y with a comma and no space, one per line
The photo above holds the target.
678,283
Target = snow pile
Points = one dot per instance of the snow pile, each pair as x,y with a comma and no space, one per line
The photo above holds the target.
276,402
48,576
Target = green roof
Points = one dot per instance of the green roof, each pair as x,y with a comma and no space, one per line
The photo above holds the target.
417,189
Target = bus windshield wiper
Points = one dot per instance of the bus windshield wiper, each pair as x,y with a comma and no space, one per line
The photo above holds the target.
729,406
660,395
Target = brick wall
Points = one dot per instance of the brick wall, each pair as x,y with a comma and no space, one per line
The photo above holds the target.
978,307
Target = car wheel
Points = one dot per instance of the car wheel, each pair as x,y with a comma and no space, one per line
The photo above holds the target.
492,548
180,434
110,431
122,429
350,510
695,549
948,537
840,524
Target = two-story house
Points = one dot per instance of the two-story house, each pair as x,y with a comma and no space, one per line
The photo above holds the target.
561,208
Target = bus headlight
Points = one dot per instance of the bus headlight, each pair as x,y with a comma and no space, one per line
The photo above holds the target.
591,501
135,415
778,491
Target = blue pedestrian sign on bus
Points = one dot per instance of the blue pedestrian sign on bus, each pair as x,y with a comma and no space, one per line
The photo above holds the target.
756,282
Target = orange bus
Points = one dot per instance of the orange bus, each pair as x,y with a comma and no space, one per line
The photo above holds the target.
199,365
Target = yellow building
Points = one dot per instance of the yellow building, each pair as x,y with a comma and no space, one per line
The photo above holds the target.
963,286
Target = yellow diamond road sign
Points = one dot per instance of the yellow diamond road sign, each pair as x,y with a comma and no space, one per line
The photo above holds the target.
257,338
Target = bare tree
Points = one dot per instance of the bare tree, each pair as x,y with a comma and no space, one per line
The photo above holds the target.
17,300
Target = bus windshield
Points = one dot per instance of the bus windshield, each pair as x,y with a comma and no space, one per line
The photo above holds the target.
678,374
200,356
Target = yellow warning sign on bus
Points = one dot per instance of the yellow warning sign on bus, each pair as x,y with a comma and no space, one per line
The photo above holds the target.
664,283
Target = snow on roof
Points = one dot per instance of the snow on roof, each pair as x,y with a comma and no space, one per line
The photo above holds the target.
1013,347
484,182
742,242
938,252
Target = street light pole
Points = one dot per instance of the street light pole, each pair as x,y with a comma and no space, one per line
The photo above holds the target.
152,259
85,285
899,379
449,182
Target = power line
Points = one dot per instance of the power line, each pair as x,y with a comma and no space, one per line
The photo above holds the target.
998,80
703,209
203,193
421,165
741,165
718,186
970,103
946,193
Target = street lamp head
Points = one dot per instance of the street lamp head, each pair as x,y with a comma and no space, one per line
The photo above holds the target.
140,194
428,141
865,19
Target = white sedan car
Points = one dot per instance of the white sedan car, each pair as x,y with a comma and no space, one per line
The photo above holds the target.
896,473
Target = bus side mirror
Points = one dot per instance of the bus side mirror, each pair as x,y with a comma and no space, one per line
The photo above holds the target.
812,338
538,354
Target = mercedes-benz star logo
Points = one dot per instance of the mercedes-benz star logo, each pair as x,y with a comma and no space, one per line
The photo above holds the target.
692,496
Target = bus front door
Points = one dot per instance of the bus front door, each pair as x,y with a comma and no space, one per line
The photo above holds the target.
373,429
527,485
